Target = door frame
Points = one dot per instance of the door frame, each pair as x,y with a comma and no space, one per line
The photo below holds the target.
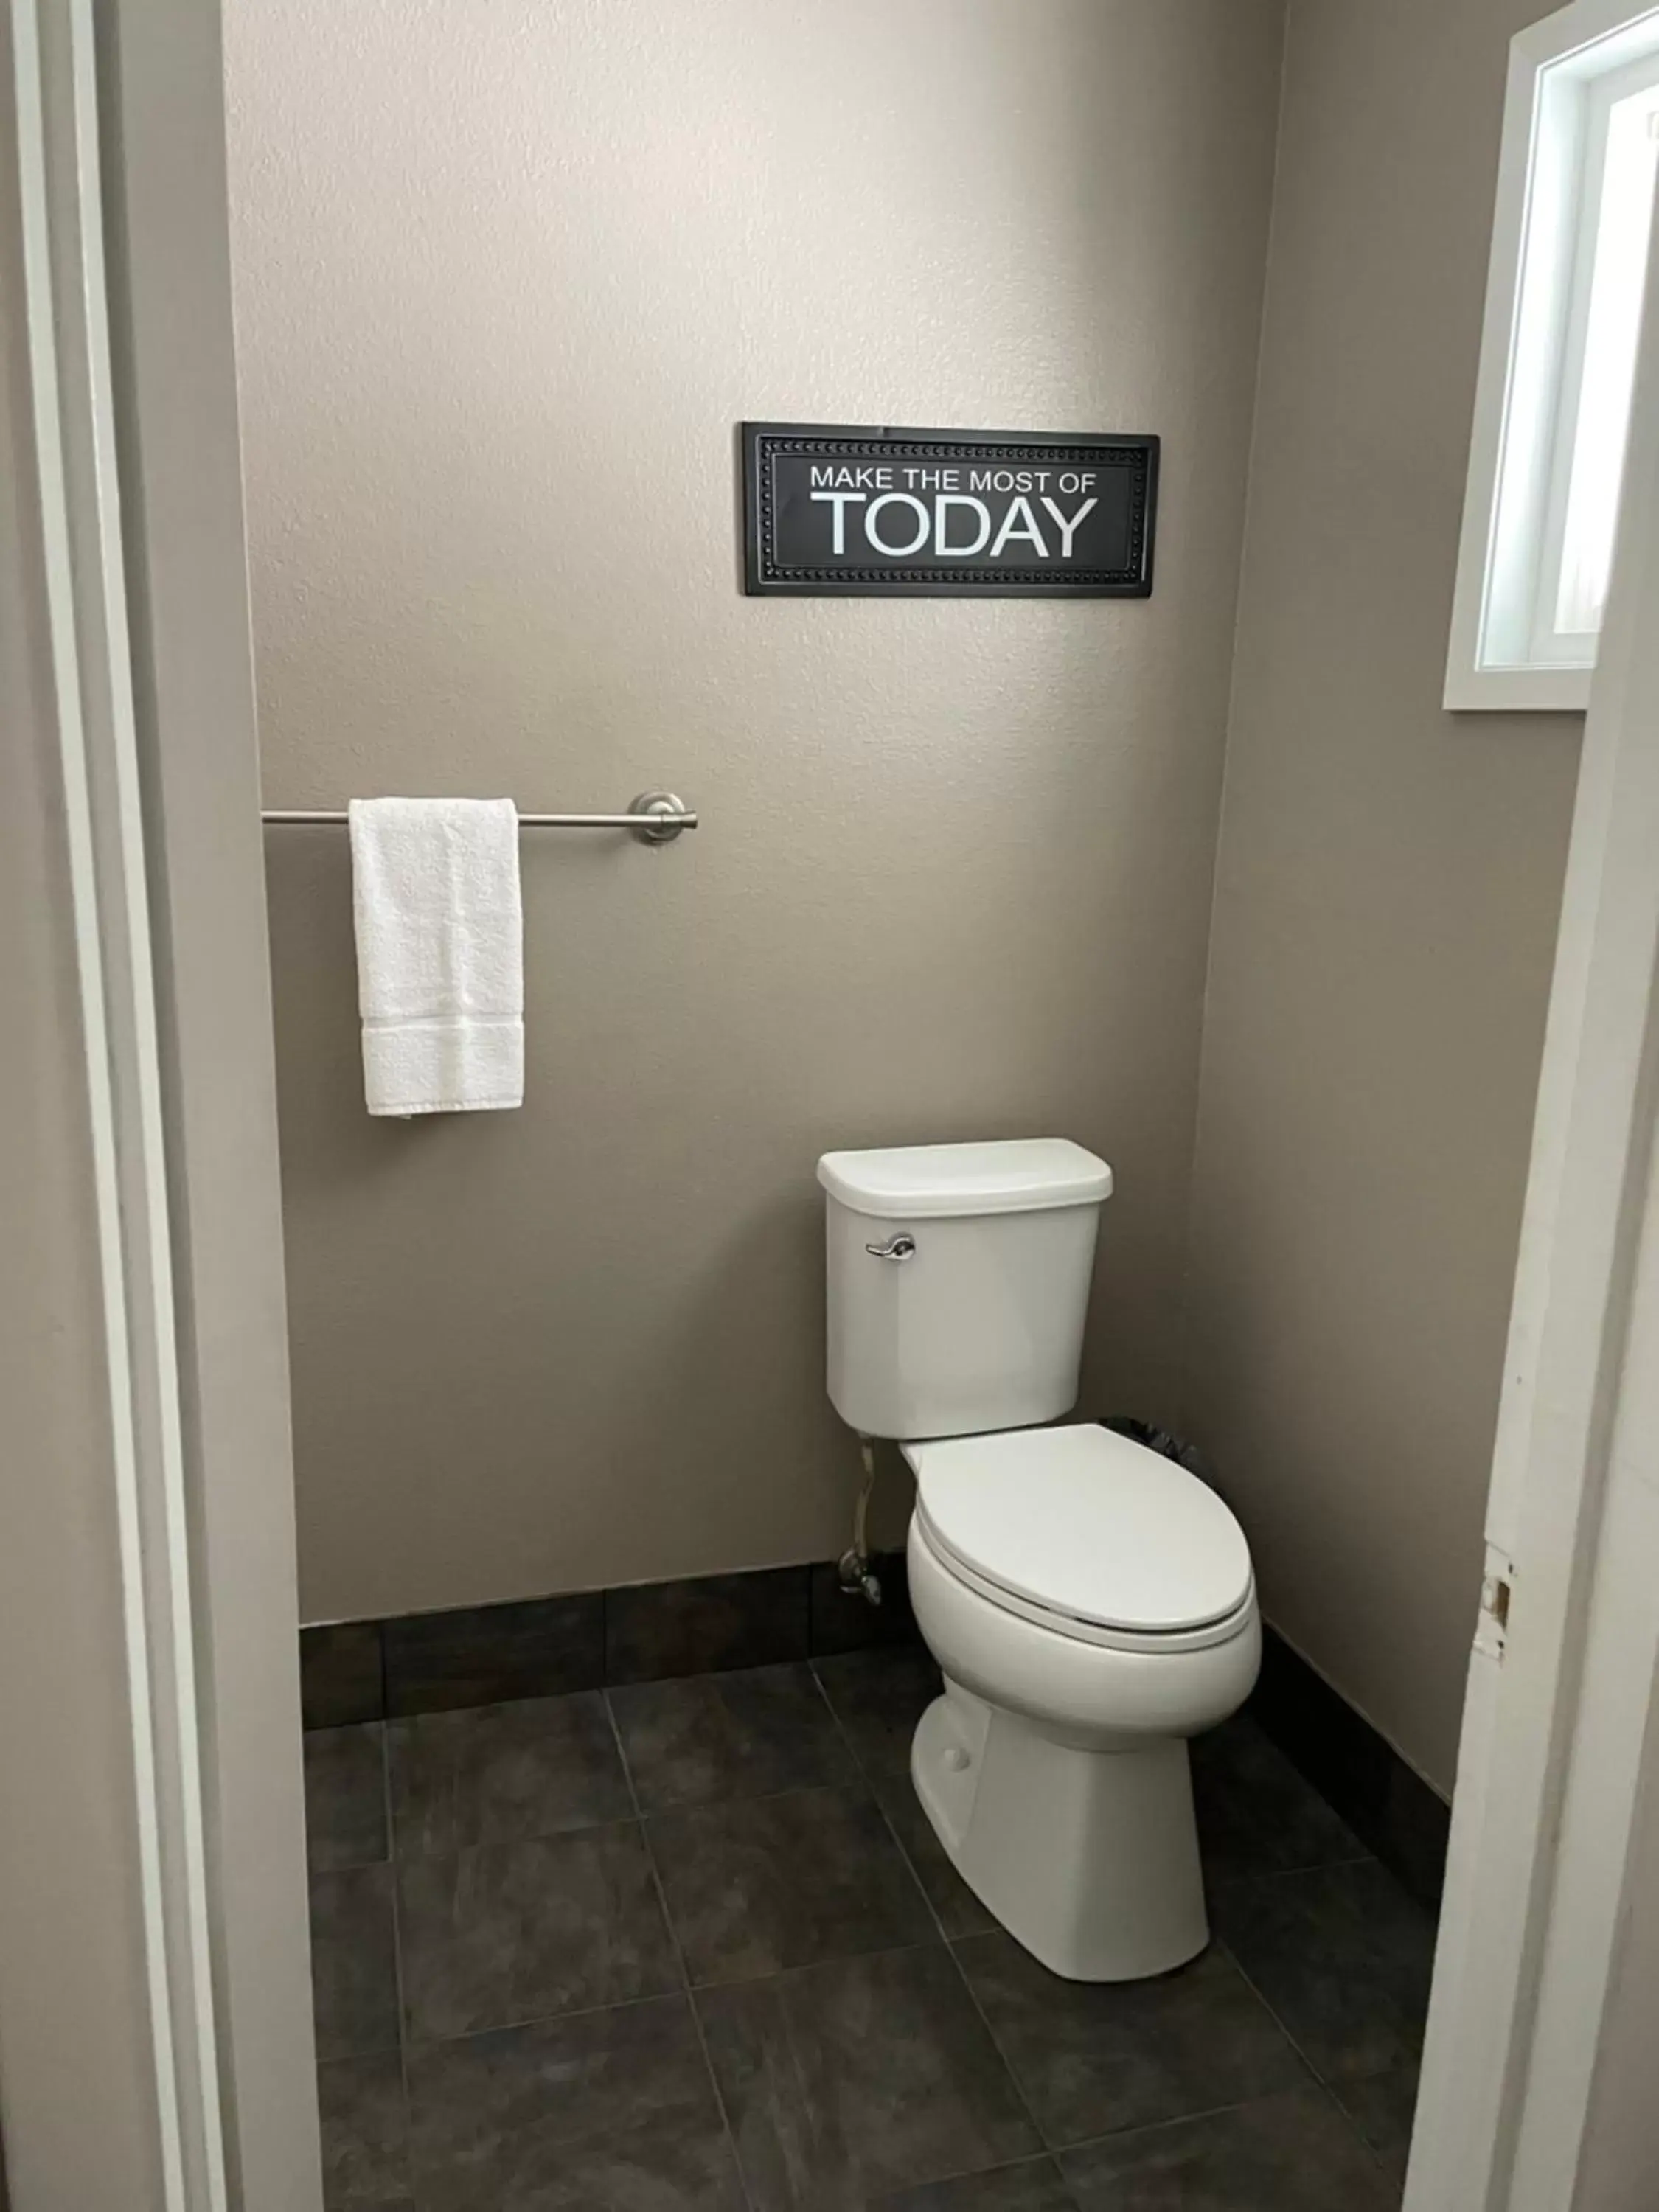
135,539
151,1830
1559,1748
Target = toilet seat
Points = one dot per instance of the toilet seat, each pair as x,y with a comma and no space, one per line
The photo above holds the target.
1087,1535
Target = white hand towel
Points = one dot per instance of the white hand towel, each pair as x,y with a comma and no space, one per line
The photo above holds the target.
440,953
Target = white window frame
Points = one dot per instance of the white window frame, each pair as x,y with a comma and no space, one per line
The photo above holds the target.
1520,447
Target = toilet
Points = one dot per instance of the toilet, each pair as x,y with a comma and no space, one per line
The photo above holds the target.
1091,1604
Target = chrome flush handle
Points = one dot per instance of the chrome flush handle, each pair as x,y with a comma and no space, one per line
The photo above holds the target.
902,1247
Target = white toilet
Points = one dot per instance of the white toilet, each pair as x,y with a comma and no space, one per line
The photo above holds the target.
1089,1603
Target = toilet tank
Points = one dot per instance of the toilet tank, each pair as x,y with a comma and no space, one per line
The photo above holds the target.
958,1278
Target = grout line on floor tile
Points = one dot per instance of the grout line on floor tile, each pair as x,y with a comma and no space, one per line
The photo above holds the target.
1359,1856
857,1784
869,1778
869,1781
916,1876
680,1954
542,2020
708,1673
1014,2080
631,2004
812,1966
1174,2120
1042,2157
1378,2159
490,1705
985,2173
510,1841
1227,1951
840,1725
1376,2151
1301,1873
384,1730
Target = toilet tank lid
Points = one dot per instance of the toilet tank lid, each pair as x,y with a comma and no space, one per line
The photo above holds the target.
914,1182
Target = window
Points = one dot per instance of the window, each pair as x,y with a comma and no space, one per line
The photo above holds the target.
1563,305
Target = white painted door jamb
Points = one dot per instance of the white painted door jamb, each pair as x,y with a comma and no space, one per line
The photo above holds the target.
53,100
1559,1698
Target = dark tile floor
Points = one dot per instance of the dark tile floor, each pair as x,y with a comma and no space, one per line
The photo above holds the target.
692,1944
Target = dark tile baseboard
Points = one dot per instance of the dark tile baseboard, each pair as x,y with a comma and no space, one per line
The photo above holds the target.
485,1655
370,1670
367,1670
1392,1810
715,1622
342,1674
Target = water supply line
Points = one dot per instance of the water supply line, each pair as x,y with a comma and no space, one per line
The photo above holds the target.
858,1579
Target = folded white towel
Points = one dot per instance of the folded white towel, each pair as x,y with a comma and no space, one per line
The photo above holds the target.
440,953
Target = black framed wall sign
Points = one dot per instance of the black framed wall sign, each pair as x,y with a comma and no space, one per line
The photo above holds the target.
994,513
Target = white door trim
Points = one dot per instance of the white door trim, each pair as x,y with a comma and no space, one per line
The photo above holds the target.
167,216
55,105
1551,1761
155,2037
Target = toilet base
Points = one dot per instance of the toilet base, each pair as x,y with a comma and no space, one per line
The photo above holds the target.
1089,1858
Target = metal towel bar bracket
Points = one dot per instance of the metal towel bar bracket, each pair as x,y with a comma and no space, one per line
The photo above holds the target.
655,818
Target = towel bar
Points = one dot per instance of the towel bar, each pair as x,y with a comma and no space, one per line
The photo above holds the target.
655,818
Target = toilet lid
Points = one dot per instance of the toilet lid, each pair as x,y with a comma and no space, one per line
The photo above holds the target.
1085,1523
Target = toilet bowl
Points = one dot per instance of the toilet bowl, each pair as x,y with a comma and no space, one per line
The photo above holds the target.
1091,1604
1053,1768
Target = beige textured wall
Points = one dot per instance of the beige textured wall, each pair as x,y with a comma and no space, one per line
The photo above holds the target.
507,276
1387,893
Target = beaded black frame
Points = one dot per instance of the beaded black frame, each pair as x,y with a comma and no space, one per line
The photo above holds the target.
765,571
